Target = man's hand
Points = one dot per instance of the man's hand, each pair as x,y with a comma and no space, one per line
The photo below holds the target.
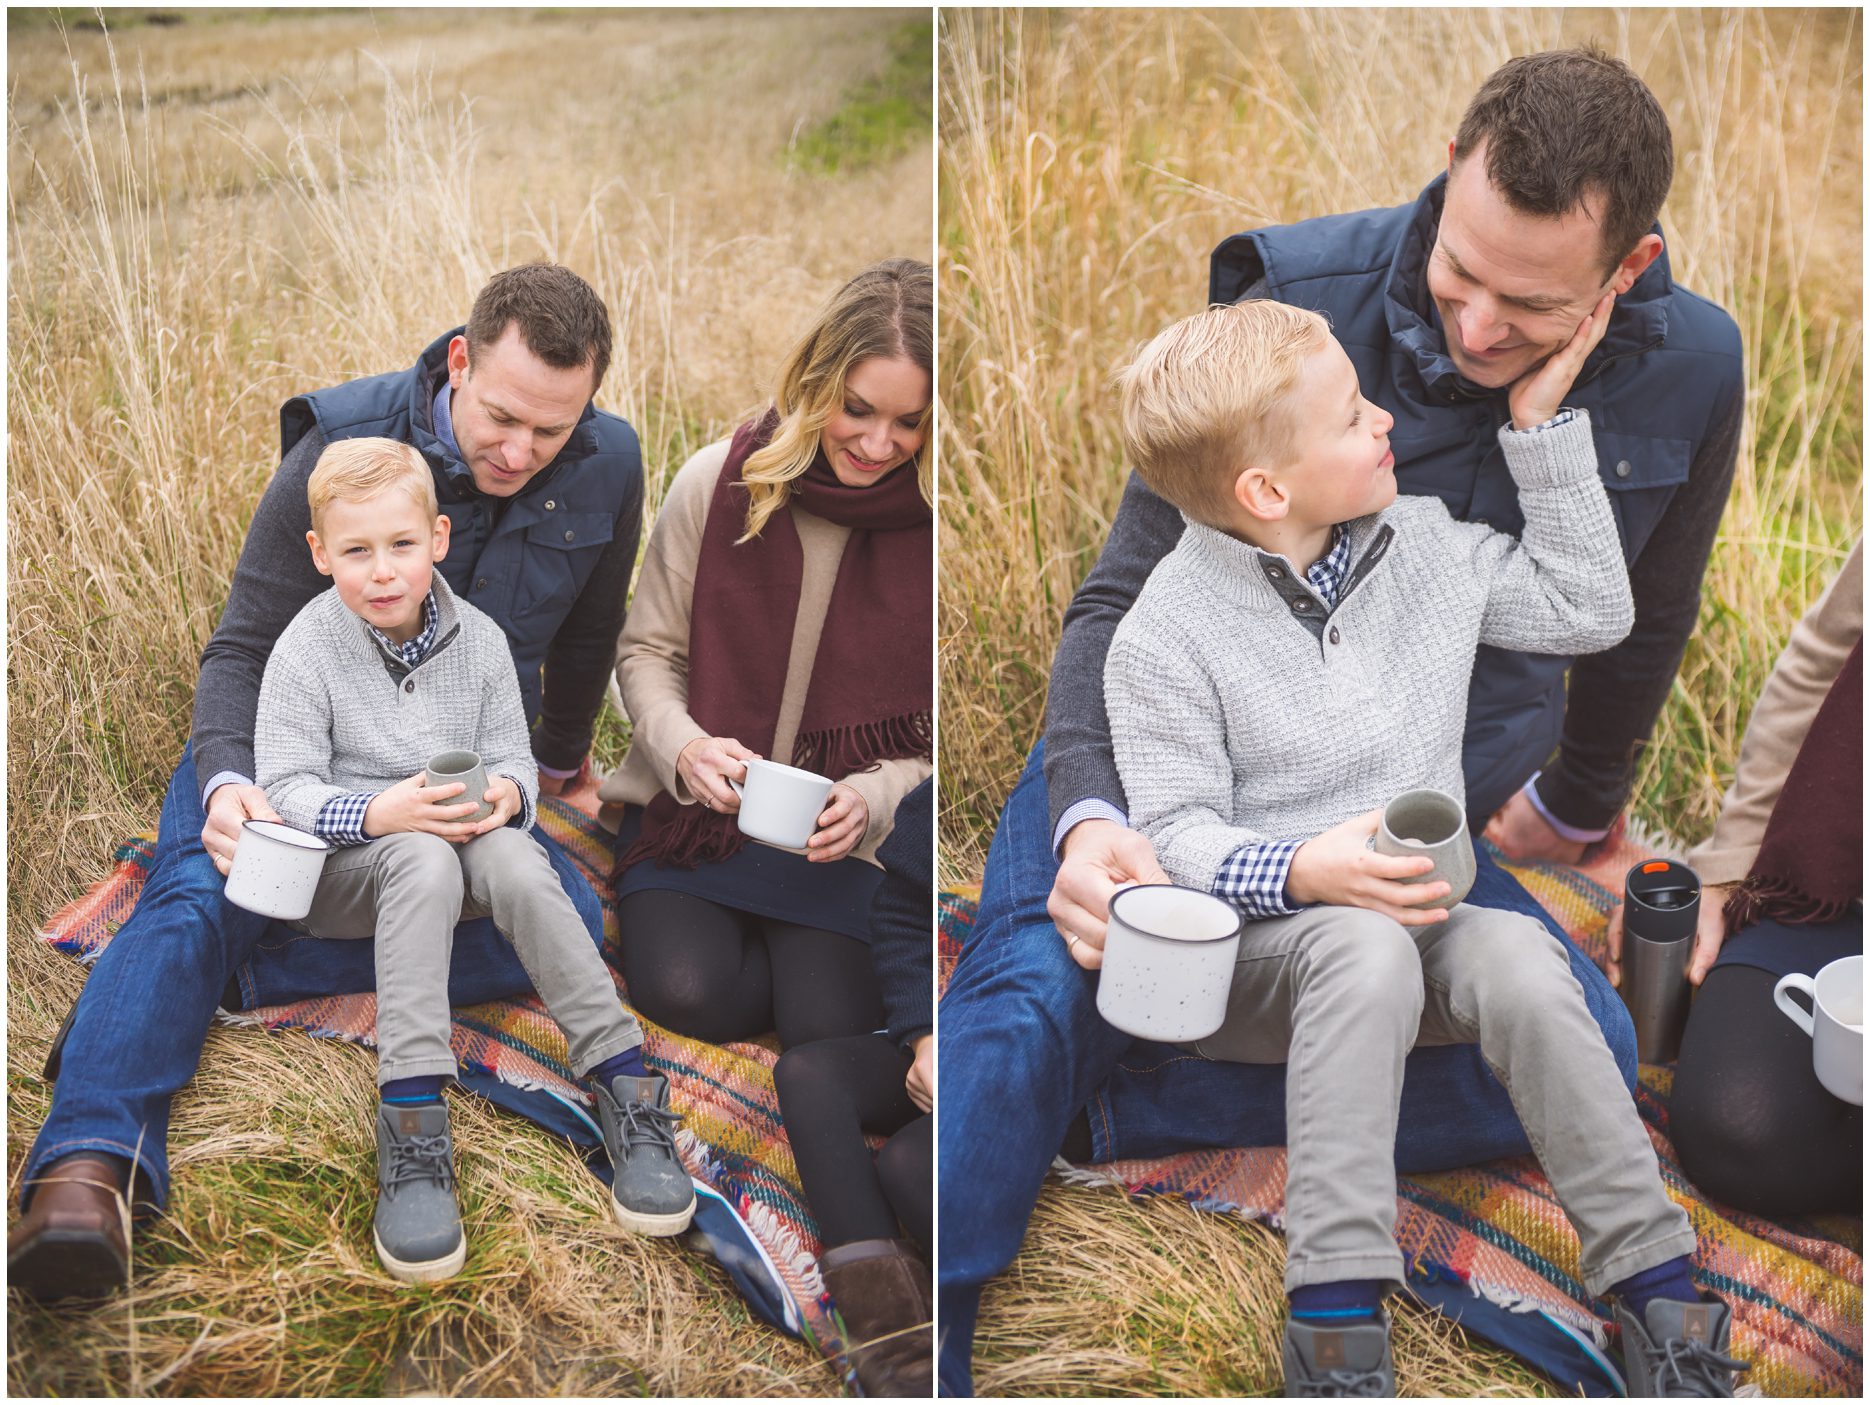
1710,932
504,795
1539,394
841,825
415,806
920,1082
1101,856
1338,867
566,785
1522,834
228,808
705,765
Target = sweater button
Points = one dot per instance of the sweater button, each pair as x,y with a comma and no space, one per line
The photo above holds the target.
1334,634
1623,468
410,686
1299,607
1274,573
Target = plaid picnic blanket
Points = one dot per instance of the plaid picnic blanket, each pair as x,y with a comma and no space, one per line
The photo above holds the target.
1490,1245
512,1052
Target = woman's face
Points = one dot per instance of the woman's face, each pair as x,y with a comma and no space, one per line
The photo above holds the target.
877,428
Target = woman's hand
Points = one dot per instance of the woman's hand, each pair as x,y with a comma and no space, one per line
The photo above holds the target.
1338,868
1539,394
416,807
841,826
1710,932
706,764
920,1083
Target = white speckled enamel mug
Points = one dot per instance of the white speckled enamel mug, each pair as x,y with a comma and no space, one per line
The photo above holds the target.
1168,962
275,870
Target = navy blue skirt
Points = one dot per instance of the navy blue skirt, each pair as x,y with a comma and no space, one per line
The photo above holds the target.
767,882
1782,948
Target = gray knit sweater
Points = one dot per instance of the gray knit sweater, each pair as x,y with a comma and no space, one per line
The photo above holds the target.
339,714
1240,712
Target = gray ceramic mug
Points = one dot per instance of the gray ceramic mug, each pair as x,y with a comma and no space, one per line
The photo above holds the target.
452,766
1429,824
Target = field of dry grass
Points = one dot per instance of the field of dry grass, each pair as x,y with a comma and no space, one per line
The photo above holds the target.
1089,163
206,217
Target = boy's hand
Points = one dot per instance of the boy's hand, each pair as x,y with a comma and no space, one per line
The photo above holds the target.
920,1084
415,806
1540,393
1101,856
841,825
503,794
1337,868
228,808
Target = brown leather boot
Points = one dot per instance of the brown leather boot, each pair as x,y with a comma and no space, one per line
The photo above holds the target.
881,1291
74,1241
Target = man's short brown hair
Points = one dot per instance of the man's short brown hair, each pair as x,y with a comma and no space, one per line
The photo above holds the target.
1211,397
560,317
1567,124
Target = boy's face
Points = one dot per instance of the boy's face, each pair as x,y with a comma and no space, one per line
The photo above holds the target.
381,553
1341,465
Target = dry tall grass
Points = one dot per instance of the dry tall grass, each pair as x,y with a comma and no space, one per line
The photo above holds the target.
204,219
1089,164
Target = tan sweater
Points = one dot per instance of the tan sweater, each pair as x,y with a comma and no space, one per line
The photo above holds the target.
1812,660
652,655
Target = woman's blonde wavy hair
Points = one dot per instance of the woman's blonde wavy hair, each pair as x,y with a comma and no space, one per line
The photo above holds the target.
886,311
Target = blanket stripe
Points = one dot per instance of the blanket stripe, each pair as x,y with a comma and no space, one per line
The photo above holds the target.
1796,1286
731,1139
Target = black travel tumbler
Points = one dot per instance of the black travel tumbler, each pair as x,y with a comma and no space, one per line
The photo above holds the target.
1661,903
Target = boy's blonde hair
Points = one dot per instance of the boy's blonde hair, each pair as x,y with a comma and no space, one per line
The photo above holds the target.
356,470
1209,397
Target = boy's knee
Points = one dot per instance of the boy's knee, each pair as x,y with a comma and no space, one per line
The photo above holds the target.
426,861
1370,955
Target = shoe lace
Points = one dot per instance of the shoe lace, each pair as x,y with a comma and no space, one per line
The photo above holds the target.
1691,1369
420,1159
1339,1385
642,1124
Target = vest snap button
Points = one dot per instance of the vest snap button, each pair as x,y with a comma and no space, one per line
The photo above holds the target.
410,686
569,535
481,584
549,504
1623,468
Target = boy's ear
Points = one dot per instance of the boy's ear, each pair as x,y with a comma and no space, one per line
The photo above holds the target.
319,558
1261,495
442,527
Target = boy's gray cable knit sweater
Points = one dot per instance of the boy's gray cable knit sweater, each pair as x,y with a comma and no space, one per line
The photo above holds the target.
1233,722
339,715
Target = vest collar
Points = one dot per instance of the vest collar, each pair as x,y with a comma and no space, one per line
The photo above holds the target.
1638,323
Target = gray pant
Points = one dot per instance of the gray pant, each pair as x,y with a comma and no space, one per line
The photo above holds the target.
409,890
1340,995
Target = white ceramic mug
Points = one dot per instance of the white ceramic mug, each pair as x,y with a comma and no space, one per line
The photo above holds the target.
275,870
781,804
466,767
1835,1023
1168,962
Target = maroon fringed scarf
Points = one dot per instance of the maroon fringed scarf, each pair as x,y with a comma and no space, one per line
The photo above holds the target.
871,693
1810,864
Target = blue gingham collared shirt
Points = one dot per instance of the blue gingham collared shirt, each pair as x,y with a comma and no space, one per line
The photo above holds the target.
1253,877
340,820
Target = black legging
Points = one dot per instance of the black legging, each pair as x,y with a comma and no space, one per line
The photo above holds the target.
713,973
830,1094
1753,1125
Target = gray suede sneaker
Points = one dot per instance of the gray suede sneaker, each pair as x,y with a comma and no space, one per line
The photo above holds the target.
651,1192
1678,1351
418,1227
1347,1362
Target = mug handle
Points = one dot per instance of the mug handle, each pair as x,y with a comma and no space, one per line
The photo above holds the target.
1790,1008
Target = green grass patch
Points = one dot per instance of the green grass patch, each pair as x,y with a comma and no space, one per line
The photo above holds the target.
882,116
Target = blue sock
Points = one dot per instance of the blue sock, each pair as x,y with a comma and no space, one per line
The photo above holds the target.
404,1091
1349,1299
1673,1281
628,1064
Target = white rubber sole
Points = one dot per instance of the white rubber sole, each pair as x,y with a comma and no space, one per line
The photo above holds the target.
655,1226
429,1271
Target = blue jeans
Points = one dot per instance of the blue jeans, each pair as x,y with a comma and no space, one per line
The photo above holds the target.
1024,1049
137,1031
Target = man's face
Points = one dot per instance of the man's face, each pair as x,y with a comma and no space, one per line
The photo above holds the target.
381,553
512,413
1512,288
